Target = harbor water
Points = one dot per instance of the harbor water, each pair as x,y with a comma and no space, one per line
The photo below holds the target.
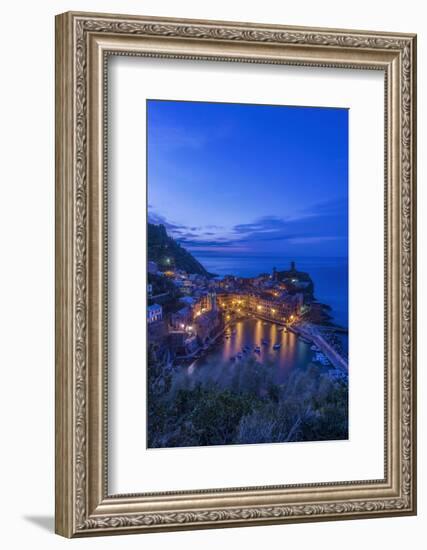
245,336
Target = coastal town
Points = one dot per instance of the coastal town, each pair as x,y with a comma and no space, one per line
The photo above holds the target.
188,312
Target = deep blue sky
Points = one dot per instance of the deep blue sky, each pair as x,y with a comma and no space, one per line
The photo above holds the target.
228,179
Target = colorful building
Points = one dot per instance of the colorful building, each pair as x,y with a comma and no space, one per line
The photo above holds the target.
154,313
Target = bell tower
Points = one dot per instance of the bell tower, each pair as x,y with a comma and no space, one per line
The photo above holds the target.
212,300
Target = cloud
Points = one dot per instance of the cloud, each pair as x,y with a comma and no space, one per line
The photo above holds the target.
335,207
320,224
323,221
189,236
194,243
158,219
266,224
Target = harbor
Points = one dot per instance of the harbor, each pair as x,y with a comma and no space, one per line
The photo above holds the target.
281,350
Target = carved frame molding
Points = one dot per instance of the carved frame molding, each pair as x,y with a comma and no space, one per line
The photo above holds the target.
83,42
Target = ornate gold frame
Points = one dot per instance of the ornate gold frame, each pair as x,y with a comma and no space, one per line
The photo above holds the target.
83,41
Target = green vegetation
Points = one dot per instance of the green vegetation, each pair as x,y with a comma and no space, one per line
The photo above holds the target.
167,253
164,293
243,405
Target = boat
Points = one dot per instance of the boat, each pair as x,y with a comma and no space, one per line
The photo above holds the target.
257,349
314,348
264,342
276,346
321,358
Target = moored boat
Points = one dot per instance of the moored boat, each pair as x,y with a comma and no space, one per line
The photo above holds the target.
321,358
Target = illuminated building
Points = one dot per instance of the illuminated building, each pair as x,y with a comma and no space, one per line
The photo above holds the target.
154,313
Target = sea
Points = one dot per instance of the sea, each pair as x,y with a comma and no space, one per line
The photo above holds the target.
329,275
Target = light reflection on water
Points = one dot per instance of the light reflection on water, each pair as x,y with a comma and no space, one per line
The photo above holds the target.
293,351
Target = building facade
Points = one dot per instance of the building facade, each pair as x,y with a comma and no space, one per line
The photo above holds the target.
154,313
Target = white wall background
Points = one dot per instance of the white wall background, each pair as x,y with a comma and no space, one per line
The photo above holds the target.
27,273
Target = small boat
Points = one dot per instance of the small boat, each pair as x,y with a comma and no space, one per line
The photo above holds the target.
320,358
257,349
276,346
314,348
264,342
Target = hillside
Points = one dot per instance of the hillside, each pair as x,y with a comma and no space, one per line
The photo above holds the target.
168,253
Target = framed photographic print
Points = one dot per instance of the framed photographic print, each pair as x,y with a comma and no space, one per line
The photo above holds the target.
235,274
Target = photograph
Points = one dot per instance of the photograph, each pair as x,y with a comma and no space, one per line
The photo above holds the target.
247,274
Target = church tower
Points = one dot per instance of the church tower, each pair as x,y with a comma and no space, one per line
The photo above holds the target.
212,301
